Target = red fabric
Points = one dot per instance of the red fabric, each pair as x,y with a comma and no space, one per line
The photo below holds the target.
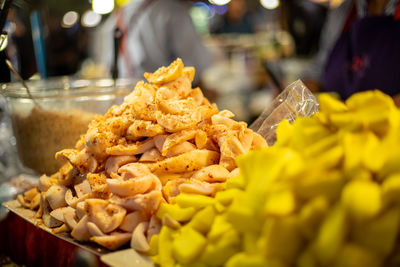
28,245
397,14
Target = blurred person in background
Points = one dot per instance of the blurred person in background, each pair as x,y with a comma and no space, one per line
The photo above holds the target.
154,33
359,50
235,20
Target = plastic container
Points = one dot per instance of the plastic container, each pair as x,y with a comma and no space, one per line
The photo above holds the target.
64,108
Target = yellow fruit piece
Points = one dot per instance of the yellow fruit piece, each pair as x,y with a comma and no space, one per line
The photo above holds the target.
166,74
280,239
379,234
306,259
372,110
320,183
165,257
217,252
219,207
226,197
284,132
245,260
362,200
203,220
311,216
219,227
241,216
153,245
188,245
352,255
329,104
391,189
175,212
236,182
189,73
194,200
356,146
250,241
331,235
280,203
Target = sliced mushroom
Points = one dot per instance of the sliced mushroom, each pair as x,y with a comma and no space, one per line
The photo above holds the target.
59,213
151,155
141,202
142,128
211,174
70,220
113,163
159,141
135,169
73,201
132,220
22,201
200,139
131,187
177,138
80,209
180,149
139,240
35,202
131,149
81,232
113,240
48,220
171,223
186,162
56,196
154,227
199,187
82,189
45,183
63,228
94,230
30,194
105,215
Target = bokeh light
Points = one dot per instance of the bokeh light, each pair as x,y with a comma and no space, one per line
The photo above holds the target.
90,19
219,2
270,4
102,6
220,10
69,19
200,14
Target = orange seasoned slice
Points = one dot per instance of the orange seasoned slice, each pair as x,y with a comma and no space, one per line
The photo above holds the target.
165,75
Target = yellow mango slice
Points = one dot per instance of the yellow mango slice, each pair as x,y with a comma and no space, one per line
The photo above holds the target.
245,260
331,236
362,200
391,189
165,257
352,255
175,212
280,203
219,251
280,239
226,197
203,220
188,245
194,200
311,216
379,234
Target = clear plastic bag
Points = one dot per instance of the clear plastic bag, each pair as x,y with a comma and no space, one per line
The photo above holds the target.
295,101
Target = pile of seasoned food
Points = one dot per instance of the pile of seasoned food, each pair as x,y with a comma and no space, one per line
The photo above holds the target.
165,139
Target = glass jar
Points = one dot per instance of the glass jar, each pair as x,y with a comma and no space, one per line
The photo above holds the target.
59,113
